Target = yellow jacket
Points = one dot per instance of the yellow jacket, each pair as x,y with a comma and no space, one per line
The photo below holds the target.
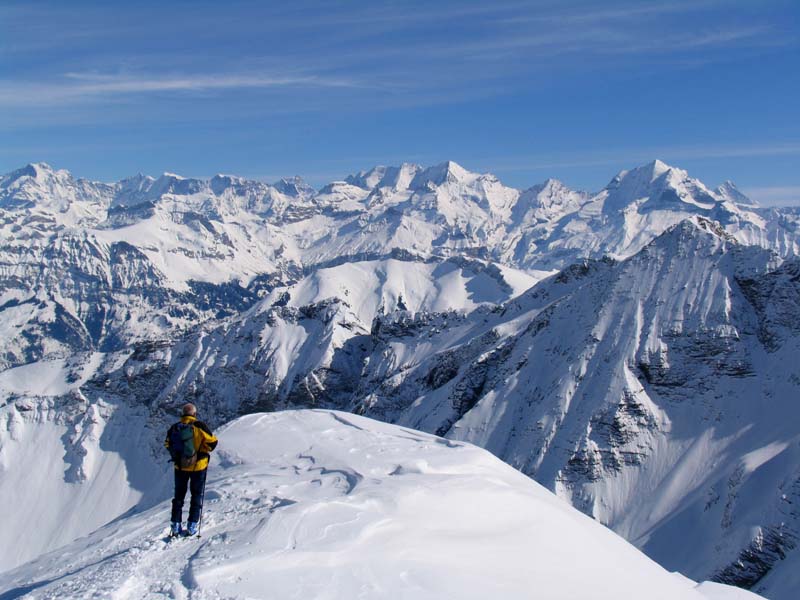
204,441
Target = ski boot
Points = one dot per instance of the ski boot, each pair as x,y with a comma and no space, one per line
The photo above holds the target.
175,529
191,528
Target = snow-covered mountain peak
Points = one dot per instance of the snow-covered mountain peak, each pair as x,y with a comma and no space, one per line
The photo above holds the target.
400,178
132,191
39,167
39,185
693,238
551,184
655,186
642,176
446,172
728,191
657,168
171,183
221,182
395,178
33,173
550,192
368,179
36,170
228,179
296,187
546,202
140,180
338,190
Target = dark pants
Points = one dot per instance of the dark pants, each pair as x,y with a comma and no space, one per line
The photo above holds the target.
196,482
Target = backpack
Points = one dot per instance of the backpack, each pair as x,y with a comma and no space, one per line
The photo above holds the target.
181,445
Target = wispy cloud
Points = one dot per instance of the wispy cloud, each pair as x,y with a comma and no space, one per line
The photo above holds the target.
601,41
104,84
78,87
400,49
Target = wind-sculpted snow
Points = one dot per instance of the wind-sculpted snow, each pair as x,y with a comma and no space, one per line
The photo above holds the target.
313,504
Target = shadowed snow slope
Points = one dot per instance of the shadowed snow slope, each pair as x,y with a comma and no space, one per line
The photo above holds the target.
319,504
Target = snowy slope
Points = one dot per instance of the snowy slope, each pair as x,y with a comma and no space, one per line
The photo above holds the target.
67,462
319,504
657,395
302,345
373,288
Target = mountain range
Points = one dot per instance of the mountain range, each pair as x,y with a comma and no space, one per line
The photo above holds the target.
629,349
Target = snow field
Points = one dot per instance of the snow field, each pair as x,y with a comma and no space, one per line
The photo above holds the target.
327,505
56,496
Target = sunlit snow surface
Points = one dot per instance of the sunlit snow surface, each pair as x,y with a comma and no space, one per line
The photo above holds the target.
320,504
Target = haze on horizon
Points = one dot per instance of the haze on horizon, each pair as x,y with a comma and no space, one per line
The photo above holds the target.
525,90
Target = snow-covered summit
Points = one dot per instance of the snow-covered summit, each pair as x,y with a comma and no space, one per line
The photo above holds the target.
446,172
39,186
657,185
398,178
36,170
132,190
728,191
547,202
295,187
312,504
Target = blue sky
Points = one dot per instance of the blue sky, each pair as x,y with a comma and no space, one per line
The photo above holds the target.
526,90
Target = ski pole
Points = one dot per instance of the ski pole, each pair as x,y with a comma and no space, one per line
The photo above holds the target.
203,497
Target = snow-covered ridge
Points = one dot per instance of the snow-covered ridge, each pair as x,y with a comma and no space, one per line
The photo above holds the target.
313,504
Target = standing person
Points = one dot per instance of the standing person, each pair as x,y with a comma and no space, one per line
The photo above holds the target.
190,443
